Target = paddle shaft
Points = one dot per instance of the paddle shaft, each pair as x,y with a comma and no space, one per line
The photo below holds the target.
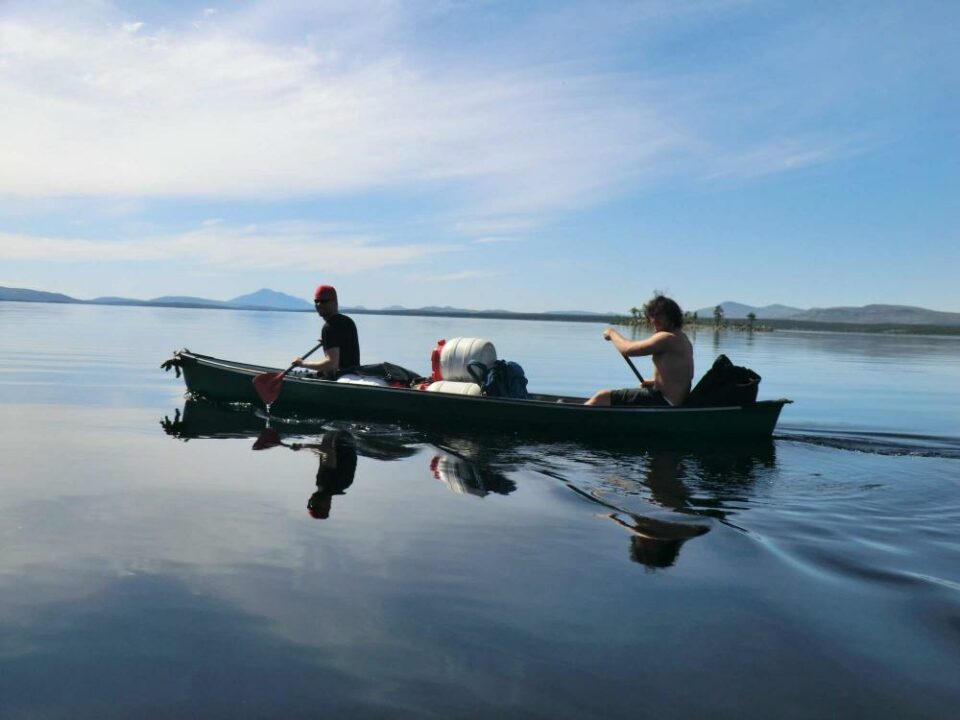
634,368
268,385
629,362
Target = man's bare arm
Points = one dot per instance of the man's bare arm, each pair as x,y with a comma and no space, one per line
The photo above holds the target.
634,348
330,363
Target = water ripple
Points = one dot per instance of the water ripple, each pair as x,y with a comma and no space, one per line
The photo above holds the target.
875,442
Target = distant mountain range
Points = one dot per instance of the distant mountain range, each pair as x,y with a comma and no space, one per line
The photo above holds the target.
24,295
739,311
266,299
260,300
865,315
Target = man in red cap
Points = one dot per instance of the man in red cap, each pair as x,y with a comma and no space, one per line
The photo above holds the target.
339,335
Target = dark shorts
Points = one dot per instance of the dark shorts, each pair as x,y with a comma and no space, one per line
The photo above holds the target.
648,397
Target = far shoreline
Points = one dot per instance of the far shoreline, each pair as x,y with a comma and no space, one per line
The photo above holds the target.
729,325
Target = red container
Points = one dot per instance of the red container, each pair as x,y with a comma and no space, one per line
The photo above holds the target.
435,360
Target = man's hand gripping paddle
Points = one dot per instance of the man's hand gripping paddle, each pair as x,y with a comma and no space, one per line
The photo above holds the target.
268,385
630,363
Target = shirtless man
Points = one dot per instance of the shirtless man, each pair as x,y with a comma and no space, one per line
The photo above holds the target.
672,360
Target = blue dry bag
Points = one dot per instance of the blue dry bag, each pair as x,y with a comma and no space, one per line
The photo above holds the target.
502,379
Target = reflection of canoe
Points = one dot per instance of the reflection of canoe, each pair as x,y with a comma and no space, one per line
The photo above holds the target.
540,415
200,419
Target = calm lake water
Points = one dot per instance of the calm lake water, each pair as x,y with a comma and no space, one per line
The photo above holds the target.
155,564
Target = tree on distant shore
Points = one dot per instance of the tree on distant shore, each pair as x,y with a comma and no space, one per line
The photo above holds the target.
751,319
718,317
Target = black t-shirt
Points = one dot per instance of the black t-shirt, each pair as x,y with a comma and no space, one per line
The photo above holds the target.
336,477
340,332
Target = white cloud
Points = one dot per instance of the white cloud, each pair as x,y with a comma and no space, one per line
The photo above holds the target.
492,239
282,246
101,109
459,276
494,229
779,156
294,99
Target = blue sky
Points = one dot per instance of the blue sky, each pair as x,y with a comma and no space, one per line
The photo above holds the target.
525,156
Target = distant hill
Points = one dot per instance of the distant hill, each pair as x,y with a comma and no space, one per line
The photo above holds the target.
270,299
186,300
880,314
24,295
263,299
433,309
739,311
586,313
452,312
866,315
438,309
115,301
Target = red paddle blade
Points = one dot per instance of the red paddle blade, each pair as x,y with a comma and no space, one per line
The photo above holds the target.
268,386
268,438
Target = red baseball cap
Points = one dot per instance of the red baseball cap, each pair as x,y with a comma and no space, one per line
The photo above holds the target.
325,292
318,507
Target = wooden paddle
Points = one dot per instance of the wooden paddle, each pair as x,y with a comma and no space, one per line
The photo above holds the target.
629,362
267,439
634,368
270,438
268,385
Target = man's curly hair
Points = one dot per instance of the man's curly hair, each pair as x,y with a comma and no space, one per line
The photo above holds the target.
666,309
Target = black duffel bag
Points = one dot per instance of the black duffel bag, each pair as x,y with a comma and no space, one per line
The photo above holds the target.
393,374
725,384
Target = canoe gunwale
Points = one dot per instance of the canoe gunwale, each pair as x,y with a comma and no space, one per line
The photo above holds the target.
254,370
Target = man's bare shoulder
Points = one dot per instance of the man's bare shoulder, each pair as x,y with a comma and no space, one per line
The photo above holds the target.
671,341
669,336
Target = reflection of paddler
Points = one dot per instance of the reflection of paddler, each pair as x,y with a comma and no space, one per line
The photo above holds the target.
338,464
664,478
656,543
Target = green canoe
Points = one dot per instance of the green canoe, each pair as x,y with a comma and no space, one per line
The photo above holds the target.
541,415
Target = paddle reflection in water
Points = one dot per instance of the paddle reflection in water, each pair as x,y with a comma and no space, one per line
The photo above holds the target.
663,495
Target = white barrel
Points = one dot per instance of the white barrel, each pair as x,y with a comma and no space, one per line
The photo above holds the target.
457,353
454,387
459,476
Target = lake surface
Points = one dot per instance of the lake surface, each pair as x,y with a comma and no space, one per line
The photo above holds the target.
155,564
